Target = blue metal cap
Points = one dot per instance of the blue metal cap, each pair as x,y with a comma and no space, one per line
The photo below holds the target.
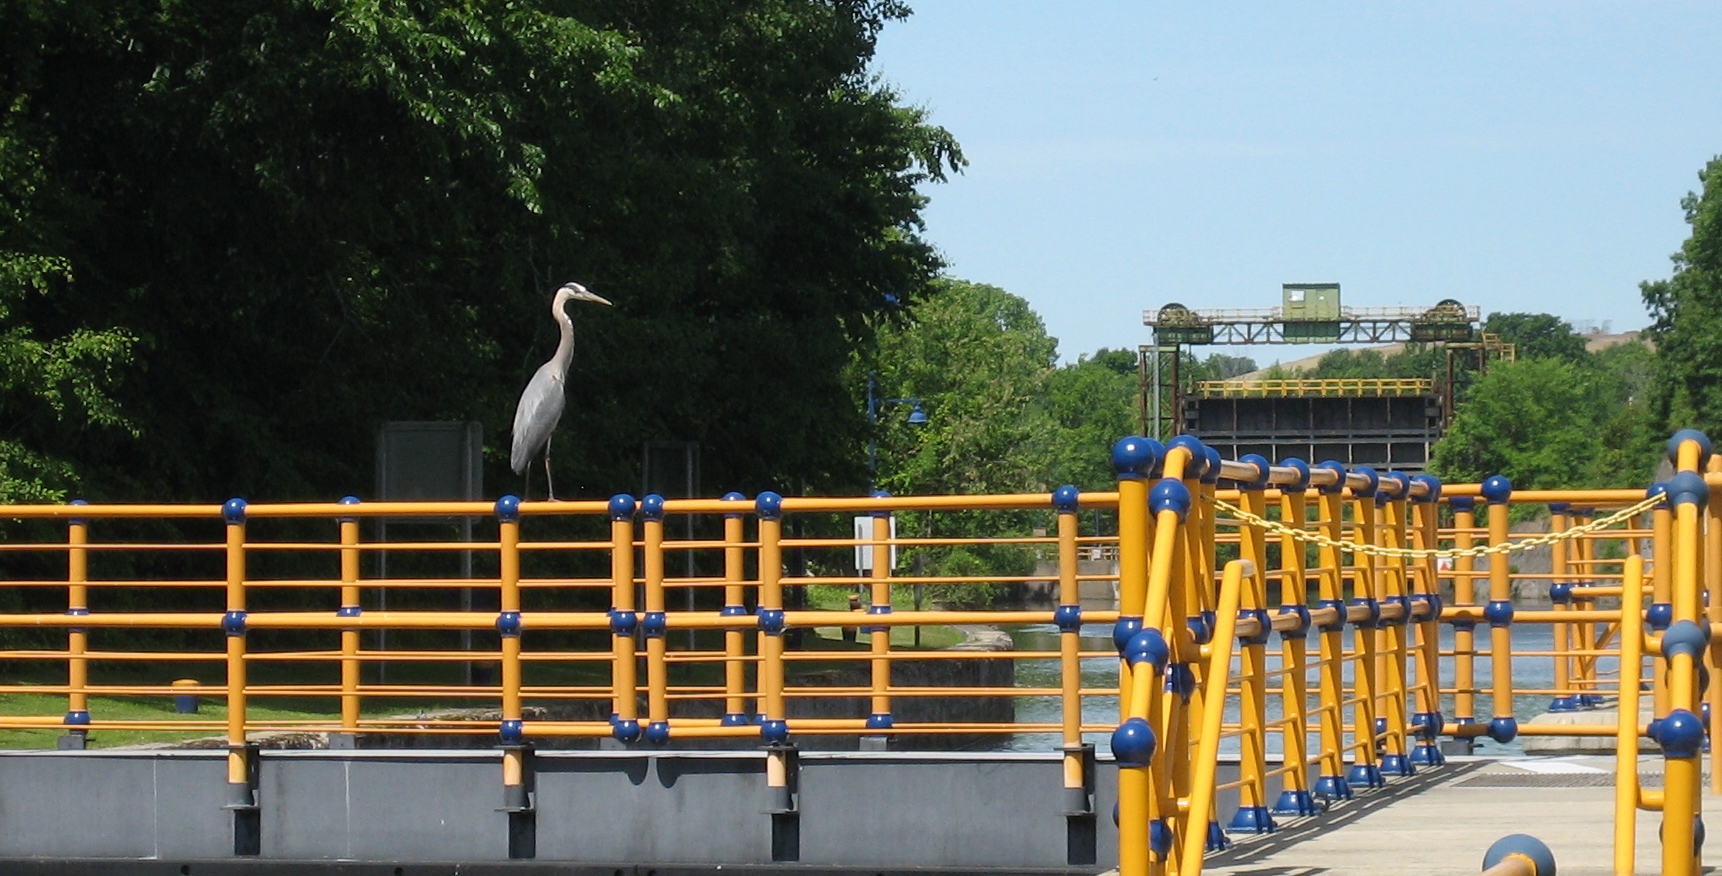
1302,469
508,509
1681,734
768,505
347,500
1560,507
1685,637
1685,435
512,731
77,520
1688,488
1136,457
1401,484
1658,489
652,508
1524,845
622,507
1338,468
1431,488
1374,480
1198,465
1066,499
1462,503
1497,489
881,512
1212,474
1170,494
1260,482
774,731
1147,645
233,511
733,497
1133,743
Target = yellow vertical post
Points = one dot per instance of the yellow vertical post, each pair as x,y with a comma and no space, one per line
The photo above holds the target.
1366,591
879,637
1713,612
654,624
624,671
1252,815
1295,798
77,638
1503,727
1396,588
513,731
1661,611
774,729
1681,731
240,790
1330,522
1426,536
1567,693
1066,501
734,606
1626,735
1133,459
1464,595
350,665
1188,486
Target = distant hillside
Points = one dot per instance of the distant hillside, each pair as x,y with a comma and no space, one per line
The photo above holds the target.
1593,343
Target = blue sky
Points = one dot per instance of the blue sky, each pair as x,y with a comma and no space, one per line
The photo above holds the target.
1522,156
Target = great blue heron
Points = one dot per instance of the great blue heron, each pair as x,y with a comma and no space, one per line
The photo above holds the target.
545,396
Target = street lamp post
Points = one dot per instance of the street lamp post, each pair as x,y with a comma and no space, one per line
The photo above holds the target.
917,417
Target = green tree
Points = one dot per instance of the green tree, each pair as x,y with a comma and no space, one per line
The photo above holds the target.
317,215
1686,313
1090,403
1538,335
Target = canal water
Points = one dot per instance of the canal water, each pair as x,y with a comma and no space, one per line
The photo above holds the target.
1102,672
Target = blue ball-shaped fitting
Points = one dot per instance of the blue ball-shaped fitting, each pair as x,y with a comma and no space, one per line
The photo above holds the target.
1264,626
1681,734
733,719
1431,488
1170,494
1653,729
1338,606
1066,499
1688,488
1068,618
1560,507
1124,630
775,732
1496,489
1217,840
512,731
1658,489
1198,464
349,611
768,505
1503,729
1499,613
1302,469
1402,490
347,500
1659,615
654,624
881,512
1374,481
1462,503
622,507
1433,601
1301,612
1338,469
1683,436
623,623
508,509
1159,834
1373,619
658,732
1260,481
879,721
1561,592
733,496
1685,637
1181,681
1333,788
233,511
735,611
508,623
627,730
652,509
77,521
1201,626
771,621
1149,646
1211,475
233,622
1136,457
1524,845
77,718
1133,743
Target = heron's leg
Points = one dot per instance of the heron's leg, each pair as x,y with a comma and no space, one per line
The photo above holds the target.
526,490
548,480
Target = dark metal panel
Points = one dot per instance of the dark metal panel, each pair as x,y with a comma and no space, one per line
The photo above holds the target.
402,808
95,804
665,807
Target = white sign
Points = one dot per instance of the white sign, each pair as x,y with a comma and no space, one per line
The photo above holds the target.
864,552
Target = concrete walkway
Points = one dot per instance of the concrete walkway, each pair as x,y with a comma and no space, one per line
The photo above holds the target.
1442,820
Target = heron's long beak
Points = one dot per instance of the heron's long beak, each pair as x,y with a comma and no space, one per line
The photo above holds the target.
588,296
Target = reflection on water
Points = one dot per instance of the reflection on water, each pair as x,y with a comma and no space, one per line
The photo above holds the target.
1102,672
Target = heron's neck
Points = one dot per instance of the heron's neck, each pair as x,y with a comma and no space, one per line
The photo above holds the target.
564,345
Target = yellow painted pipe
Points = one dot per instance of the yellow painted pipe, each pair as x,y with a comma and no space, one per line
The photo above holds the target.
1626,731
1206,761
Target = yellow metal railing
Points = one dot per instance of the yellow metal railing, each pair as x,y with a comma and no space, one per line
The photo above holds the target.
598,623
1318,387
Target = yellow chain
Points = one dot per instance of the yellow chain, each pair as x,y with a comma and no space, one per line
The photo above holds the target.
1414,553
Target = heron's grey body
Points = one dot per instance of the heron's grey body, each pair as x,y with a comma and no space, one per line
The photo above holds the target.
545,398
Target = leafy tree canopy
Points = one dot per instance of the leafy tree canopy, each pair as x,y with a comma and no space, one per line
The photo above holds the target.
317,215
1686,313
1537,335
